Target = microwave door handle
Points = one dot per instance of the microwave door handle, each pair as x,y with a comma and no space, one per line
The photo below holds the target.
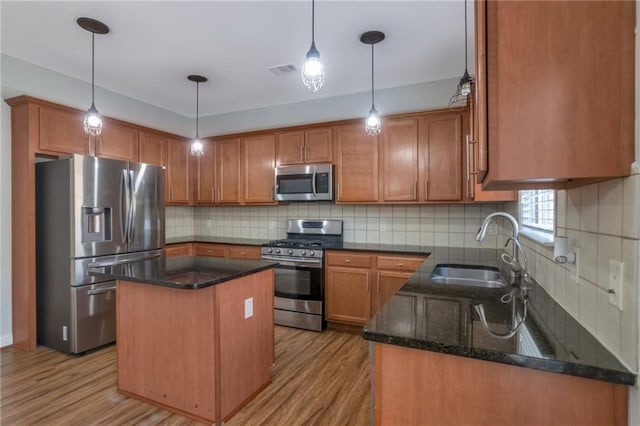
313,183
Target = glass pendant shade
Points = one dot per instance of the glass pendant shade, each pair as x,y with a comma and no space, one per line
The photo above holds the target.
197,149
92,125
373,124
459,98
313,70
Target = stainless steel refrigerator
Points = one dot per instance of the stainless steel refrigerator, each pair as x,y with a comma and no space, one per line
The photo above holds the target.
90,211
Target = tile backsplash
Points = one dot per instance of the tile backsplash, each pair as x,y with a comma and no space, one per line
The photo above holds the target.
602,221
440,225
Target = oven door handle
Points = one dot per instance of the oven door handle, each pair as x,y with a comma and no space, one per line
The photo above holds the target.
294,262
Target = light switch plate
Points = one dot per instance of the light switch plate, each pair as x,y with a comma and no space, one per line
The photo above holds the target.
616,289
248,308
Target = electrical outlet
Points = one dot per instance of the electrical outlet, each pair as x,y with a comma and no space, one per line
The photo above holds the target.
272,224
616,290
383,226
575,268
248,308
208,223
493,229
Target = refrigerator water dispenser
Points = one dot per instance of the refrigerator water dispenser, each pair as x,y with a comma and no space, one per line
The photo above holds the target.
96,224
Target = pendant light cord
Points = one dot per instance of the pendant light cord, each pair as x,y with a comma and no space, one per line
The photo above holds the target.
93,66
313,21
465,35
372,99
197,108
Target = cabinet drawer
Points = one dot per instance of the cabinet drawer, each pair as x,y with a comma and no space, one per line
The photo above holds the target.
178,250
348,259
244,252
212,250
397,263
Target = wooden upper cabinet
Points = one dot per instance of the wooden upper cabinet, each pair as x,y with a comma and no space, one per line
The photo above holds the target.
399,159
228,171
258,168
61,131
178,183
153,148
305,146
205,169
559,91
356,165
117,141
441,157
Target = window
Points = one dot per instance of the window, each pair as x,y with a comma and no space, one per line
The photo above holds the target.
537,209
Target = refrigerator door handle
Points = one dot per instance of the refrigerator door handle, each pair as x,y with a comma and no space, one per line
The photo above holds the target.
102,290
124,205
132,207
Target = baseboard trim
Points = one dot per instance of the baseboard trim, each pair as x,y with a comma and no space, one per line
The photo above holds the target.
6,340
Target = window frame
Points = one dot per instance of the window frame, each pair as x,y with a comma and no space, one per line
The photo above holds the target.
537,228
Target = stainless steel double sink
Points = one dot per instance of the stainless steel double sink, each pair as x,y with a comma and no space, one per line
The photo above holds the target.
468,275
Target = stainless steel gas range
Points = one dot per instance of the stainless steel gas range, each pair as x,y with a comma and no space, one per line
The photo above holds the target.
299,278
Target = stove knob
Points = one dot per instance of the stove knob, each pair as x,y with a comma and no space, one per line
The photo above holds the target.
269,250
290,251
311,253
303,252
278,251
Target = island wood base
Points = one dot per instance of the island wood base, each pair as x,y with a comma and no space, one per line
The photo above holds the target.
416,387
192,351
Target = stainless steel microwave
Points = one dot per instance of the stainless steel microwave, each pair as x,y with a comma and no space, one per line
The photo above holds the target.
309,182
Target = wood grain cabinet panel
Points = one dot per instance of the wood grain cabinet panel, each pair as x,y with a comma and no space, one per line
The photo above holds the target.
348,294
290,148
178,181
354,260
357,165
399,157
564,126
182,249
258,168
244,252
228,171
61,131
305,146
441,157
205,182
153,148
118,141
210,250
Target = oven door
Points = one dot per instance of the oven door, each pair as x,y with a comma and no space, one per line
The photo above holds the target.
299,280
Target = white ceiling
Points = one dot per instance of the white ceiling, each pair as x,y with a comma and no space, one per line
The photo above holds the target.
153,46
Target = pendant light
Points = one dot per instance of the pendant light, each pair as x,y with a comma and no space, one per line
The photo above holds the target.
312,68
197,149
373,125
464,86
92,121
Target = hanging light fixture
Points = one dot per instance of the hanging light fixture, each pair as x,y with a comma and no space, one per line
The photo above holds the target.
197,149
373,125
92,122
312,68
464,86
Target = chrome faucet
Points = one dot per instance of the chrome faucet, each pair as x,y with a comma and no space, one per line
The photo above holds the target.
514,261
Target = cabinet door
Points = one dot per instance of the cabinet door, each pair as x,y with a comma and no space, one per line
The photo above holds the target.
318,145
117,141
479,126
387,284
259,154
205,178
210,250
290,148
441,157
61,131
357,165
348,295
153,148
178,174
228,171
244,252
399,151
173,250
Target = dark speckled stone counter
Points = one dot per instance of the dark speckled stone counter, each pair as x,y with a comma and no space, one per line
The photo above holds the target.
217,240
386,248
439,317
184,272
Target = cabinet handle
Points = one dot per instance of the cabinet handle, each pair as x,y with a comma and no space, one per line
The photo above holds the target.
401,264
302,153
468,166
170,193
339,191
273,193
426,190
213,195
466,325
415,190
219,195
347,260
378,283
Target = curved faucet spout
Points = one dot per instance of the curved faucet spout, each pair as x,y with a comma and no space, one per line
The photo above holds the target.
482,232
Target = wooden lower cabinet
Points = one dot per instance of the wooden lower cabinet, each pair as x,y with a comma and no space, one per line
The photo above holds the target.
357,284
417,387
182,249
244,252
229,251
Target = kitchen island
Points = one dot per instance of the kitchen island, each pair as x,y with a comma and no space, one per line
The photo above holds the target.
194,334
434,363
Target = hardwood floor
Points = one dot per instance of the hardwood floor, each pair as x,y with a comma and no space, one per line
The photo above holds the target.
318,379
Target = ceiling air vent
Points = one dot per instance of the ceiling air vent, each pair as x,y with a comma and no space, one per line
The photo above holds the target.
282,69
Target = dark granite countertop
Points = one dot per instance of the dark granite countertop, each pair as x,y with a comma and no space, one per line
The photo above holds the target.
387,248
441,318
183,272
217,240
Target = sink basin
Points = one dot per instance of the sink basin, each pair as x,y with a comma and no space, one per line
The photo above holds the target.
468,275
